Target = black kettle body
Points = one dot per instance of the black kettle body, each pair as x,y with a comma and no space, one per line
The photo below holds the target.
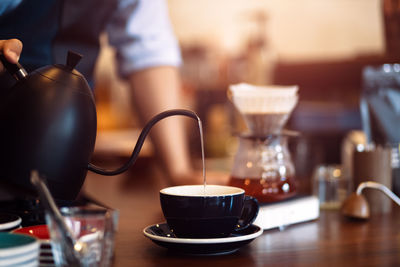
49,124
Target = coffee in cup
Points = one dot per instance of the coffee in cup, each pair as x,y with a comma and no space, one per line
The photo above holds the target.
198,211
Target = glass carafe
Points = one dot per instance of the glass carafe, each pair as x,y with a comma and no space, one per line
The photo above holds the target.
263,168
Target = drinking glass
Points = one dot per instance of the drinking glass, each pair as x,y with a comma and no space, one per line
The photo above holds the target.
92,228
330,185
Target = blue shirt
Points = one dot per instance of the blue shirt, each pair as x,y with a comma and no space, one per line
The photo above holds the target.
139,30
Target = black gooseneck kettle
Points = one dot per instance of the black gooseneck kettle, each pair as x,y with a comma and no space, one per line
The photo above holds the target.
48,123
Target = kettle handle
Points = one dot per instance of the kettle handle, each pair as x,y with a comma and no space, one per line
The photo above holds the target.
16,70
141,139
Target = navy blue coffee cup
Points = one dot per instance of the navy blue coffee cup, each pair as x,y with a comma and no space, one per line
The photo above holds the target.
195,211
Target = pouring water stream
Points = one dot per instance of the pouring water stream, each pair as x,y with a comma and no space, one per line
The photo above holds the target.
202,152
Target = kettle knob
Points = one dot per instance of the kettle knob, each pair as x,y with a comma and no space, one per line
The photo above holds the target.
73,60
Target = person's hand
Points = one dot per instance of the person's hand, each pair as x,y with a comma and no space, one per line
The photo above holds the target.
11,49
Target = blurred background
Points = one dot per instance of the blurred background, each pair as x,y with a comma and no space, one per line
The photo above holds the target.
319,45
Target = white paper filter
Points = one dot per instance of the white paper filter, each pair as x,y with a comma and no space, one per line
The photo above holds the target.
263,99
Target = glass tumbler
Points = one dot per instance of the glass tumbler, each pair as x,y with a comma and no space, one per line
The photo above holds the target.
330,185
93,228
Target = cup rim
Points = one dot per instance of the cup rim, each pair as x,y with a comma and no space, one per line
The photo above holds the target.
177,190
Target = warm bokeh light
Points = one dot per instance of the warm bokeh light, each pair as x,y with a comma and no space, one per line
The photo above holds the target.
297,30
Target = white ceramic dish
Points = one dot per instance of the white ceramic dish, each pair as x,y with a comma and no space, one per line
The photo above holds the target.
9,221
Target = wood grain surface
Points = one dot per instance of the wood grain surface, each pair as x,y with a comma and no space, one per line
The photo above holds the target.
332,240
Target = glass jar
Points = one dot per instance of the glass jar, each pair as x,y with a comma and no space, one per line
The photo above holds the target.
263,168
331,185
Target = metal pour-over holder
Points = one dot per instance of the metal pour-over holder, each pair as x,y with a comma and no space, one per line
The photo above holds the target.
262,164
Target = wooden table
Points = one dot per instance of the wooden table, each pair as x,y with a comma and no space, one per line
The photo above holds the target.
329,241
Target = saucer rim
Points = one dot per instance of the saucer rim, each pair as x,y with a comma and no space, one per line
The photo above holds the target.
229,239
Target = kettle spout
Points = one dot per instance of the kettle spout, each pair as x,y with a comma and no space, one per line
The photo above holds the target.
141,139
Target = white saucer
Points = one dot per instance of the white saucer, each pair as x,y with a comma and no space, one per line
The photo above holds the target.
163,236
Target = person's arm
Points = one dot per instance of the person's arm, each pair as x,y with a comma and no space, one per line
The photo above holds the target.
11,49
155,90
148,54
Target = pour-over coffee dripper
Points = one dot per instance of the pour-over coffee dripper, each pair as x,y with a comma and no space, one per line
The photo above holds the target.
262,164
265,109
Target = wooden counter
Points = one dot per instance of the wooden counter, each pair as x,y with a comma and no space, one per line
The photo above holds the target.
329,241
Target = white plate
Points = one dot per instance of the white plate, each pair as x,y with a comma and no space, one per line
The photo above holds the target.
46,250
45,258
9,221
19,259
33,263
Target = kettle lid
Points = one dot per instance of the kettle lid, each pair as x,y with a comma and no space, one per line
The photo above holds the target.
67,75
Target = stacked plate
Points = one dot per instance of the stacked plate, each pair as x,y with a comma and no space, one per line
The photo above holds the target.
42,234
9,222
18,250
